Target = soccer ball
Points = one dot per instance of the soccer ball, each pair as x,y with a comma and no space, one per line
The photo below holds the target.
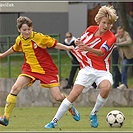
115,118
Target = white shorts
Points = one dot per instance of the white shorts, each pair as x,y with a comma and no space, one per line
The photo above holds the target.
87,76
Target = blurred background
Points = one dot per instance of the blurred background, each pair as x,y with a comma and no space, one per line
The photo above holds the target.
60,17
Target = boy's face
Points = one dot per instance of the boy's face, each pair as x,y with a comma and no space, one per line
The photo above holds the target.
104,25
25,30
120,32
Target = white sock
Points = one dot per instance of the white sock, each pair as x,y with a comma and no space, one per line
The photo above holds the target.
99,103
61,110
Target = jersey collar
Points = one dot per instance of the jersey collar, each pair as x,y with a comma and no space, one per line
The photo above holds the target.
31,36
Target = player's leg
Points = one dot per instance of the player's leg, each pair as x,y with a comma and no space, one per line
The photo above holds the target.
104,87
57,95
81,82
21,82
55,91
65,105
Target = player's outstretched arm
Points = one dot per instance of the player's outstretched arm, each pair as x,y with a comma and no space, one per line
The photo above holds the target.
6,53
63,47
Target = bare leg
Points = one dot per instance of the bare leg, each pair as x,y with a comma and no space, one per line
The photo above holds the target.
12,97
67,102
57,95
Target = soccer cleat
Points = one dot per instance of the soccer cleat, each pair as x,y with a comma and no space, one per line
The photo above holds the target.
75,114
51,125
93,121
3,121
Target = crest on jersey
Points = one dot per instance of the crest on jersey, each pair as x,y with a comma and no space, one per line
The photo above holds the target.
35,45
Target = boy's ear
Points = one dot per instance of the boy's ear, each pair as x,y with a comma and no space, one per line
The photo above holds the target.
18,30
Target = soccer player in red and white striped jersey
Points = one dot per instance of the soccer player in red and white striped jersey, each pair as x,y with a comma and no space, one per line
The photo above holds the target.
93,50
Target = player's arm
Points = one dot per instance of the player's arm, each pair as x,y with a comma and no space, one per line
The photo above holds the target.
98,52
84,47
49,42
8,52
63,47
127,42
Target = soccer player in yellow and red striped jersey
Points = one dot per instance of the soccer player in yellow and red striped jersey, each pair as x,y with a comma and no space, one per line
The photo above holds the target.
38,65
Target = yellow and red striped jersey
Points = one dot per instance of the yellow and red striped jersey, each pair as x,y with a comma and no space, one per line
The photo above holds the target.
37,58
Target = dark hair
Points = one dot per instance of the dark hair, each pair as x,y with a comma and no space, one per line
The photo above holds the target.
69,33
23,20
120,27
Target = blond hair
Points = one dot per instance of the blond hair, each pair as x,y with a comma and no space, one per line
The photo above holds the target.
106,11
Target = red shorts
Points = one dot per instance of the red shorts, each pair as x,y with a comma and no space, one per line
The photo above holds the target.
46,80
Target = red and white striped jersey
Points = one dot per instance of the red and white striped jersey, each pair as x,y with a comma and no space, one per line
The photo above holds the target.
104,42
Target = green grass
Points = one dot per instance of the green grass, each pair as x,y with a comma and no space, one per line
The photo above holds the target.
34,119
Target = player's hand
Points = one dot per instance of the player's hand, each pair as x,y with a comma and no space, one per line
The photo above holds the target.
70,48
118,43
78,42
83,47
1,56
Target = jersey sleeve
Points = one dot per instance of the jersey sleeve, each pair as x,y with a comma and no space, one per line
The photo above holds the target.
17,46
108,44
45,41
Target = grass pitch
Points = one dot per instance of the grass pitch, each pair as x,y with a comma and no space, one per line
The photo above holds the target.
34,118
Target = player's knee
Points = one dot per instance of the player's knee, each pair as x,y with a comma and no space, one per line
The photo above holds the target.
105,92
107,89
